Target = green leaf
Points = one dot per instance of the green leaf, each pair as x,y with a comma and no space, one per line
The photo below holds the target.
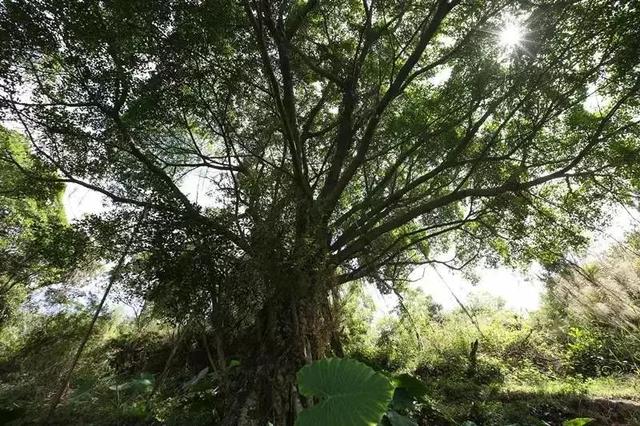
402,399
580,421
413,386
351,393
399,420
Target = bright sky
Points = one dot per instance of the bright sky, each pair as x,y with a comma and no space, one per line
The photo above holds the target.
79,201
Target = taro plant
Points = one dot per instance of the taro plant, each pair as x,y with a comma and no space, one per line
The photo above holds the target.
410,401
350,393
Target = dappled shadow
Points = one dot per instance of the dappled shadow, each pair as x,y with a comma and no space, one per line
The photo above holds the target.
555,408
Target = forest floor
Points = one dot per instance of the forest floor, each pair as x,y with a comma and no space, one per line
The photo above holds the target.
610,401
554,409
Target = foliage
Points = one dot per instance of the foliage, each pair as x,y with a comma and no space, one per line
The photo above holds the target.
114,381
515,381
332,156
596,309
350,393
37,246
523,372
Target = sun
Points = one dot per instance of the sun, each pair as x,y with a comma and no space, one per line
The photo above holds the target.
512,34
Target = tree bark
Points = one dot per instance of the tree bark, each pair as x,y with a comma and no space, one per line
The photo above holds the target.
292,330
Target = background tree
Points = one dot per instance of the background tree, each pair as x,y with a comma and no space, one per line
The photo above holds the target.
594,309
37,246
339,148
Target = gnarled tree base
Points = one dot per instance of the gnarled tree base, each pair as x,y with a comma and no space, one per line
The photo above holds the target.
288,334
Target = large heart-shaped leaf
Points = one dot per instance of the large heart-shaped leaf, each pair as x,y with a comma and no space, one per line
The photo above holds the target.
350,393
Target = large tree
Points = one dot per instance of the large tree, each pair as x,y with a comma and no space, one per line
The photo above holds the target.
346,141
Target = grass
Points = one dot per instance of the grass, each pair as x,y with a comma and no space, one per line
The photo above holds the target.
615,387
611,387
529,397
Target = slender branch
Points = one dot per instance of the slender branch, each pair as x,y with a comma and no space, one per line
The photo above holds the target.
113,277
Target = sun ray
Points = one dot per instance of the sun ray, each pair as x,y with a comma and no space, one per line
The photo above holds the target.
512,34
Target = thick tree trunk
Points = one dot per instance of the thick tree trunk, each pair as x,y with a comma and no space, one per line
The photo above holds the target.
293,329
